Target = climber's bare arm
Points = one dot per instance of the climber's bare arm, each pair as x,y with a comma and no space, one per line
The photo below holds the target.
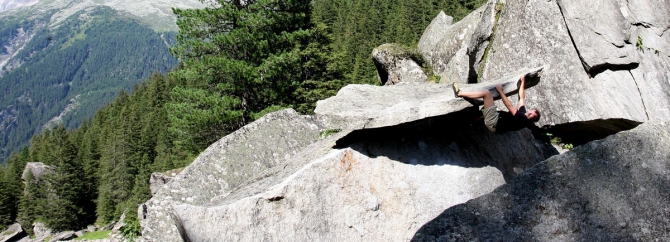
522,92
505,100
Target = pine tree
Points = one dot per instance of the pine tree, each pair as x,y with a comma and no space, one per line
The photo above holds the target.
238,59
5,202
32,202
11,187
66,185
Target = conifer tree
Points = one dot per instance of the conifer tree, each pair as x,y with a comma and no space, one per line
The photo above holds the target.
239,58
11,187
32,202
66,184
5,202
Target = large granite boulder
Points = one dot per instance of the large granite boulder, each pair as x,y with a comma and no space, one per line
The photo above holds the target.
394,64
37,170
537,33
13,233
434,33
449,55
614,189
371,185
227,165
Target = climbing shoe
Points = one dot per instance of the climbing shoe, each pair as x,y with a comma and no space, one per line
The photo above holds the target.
456,89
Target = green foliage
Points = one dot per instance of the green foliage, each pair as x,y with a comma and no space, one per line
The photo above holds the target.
243,59
11,187
640,46
132,230
327,133
559,142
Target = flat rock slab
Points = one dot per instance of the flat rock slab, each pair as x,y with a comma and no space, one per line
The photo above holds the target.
365,106
13,233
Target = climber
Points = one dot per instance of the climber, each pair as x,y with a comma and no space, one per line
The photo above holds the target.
499,121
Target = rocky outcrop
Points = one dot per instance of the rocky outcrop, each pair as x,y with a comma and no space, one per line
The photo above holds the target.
600,69
13,233
410,161
568,93
394,64
449,53
37,170
434,32
378,188
227,165
614,189
371,184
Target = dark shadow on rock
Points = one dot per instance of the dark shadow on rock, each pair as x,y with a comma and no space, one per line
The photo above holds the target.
579,133
595,70
607,190
458,139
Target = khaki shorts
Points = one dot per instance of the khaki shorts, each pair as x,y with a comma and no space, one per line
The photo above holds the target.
491,118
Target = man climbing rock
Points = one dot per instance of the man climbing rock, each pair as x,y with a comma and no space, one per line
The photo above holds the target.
499,121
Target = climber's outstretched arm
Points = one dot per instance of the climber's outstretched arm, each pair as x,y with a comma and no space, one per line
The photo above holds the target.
522,92
505,100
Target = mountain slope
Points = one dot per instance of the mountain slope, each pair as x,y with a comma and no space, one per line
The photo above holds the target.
155,13
58,65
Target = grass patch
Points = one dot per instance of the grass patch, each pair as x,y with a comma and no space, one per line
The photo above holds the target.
327,133
95,235
558,142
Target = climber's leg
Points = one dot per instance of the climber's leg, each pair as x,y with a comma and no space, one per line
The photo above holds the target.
490,111
486,95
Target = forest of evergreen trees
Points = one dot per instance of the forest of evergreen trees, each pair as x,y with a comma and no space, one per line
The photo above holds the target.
237,62
91,58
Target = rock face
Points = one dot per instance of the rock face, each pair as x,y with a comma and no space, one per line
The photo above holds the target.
434,32
394,64
158,179
614,189
37,169
411,162
601,33
602,69
13,233
226,165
